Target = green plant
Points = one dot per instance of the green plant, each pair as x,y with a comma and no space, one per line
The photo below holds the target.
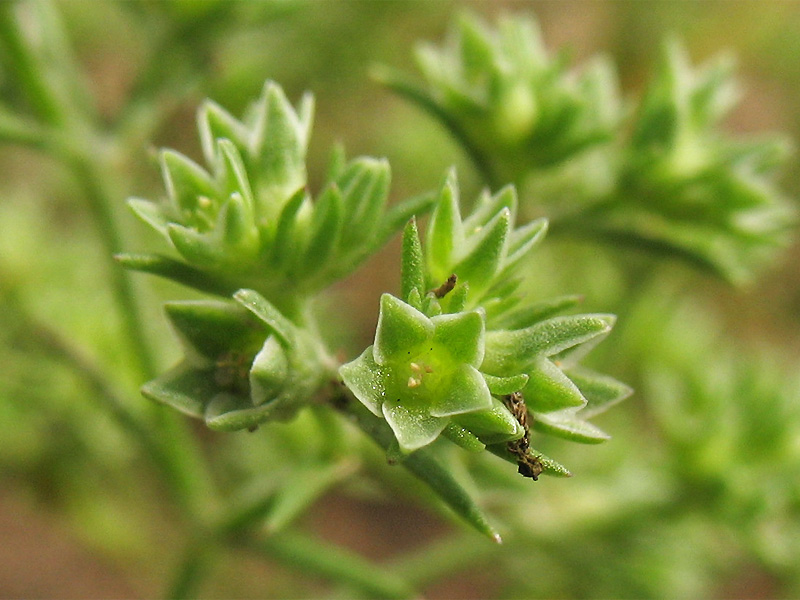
482,356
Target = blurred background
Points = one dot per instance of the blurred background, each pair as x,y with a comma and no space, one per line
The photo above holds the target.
696,494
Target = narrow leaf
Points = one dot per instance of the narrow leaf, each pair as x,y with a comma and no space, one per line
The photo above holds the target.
271,316
174,270
412,272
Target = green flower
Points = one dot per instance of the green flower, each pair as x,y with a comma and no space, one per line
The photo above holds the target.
244,363
422,374
248,220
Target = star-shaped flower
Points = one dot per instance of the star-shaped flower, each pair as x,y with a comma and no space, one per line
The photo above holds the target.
421,372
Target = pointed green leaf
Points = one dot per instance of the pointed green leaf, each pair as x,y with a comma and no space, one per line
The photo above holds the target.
463,437
365,189
326,228
227,412
285,243
534,313
232,172
502,386
184,389
195,247
215,123
413,427
281,156
492,426
401,329
412,272
549,389
445,232
461,335
213,328
268,314
186,182
566,425
482,262
151,213
523,240
268,374
489,206
600,391
176,271
466,392
509,351
366,380
238,229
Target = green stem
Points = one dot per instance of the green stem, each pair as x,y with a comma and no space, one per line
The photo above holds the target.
89,177
192,571
26,67
314,557
442,558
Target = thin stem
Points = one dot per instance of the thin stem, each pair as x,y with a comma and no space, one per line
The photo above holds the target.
193,569
99,200
26,68
442,558
315,557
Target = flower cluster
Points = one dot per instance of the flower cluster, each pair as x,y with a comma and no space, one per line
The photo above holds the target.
250,221
446,356
661,177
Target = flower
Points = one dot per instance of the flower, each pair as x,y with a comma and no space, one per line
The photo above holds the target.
422,374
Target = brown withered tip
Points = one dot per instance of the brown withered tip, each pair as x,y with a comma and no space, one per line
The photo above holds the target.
446,287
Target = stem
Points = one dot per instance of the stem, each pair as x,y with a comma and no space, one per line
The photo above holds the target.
26,68
315,557
442,558
99,201
194,568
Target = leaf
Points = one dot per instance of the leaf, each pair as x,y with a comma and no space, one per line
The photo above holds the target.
535,312
566,425
268,314
466,392
488,250
151,213
412,273
413,428
211,328
186,181
427,468
461,335
326,232
401,328
198,248
226,412
366,380
233,172
491,426
183,388
280,139
269,372
176,271
600,391
463,437
215,123
502,386
445,231
489,206
285,243
509,351
549,389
